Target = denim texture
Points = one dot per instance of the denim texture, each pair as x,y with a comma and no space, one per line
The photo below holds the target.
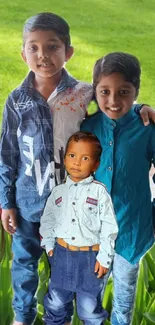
26,253
124,278
73,272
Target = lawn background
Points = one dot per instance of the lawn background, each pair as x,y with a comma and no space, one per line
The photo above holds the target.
97,27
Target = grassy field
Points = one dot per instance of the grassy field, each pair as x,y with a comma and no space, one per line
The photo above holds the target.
97,27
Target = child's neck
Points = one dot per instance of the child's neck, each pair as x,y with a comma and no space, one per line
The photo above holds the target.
46,86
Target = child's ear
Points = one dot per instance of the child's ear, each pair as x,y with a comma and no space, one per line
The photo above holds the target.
69,53
23,56
96,166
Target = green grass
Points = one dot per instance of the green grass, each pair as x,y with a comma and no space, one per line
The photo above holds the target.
97,27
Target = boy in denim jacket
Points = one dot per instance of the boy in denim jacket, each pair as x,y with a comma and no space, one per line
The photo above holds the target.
39,116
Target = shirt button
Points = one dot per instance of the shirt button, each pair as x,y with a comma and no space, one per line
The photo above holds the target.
73,220
108,262
73,238
75,184
73,203
109,168
111,143
90,208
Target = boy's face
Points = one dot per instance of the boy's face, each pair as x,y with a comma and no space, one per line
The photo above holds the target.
80,160
44,53
115,96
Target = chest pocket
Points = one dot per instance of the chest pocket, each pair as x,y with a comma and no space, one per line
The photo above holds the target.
90,210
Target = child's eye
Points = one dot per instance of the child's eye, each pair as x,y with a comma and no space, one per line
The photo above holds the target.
52,47
124,92
32,48
85,158
104,92
71,155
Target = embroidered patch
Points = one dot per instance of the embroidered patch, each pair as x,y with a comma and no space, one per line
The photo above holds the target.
91,201
57,201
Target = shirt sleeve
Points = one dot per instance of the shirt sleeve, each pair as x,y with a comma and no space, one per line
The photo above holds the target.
9,153
137,108
153,177
109,231
47,224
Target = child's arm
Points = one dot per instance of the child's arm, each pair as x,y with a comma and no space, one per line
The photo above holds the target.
47,225
9,152
146,113
108,234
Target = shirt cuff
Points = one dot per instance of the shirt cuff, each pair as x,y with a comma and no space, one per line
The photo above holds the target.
104,259
138,107
49,248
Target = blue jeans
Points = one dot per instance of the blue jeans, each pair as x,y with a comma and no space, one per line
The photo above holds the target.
73,272
125,278
26,253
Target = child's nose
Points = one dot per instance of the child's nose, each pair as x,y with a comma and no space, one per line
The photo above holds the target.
113,100
42,53
77,162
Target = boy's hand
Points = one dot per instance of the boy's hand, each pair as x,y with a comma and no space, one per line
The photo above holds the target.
147,113
50,253
100,269
8,218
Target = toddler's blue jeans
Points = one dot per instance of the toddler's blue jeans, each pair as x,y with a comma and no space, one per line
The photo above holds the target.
73,272
26,253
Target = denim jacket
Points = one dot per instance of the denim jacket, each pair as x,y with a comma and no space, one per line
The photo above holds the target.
27,169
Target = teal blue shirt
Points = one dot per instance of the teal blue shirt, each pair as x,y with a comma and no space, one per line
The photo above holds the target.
128,151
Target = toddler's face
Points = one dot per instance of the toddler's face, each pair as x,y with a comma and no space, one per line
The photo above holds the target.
114,95
80,160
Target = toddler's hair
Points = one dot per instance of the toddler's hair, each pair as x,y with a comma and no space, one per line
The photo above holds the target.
48,21
126,64
87,137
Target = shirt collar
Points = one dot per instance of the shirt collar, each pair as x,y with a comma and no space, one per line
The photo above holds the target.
67,81
28,87
110,123
85,181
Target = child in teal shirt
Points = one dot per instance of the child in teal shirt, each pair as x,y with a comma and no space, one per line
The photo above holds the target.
128,152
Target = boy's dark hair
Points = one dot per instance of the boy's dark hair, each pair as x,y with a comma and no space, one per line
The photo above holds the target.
87,137
126,64
48,21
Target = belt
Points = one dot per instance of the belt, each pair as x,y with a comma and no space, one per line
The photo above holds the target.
62,243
